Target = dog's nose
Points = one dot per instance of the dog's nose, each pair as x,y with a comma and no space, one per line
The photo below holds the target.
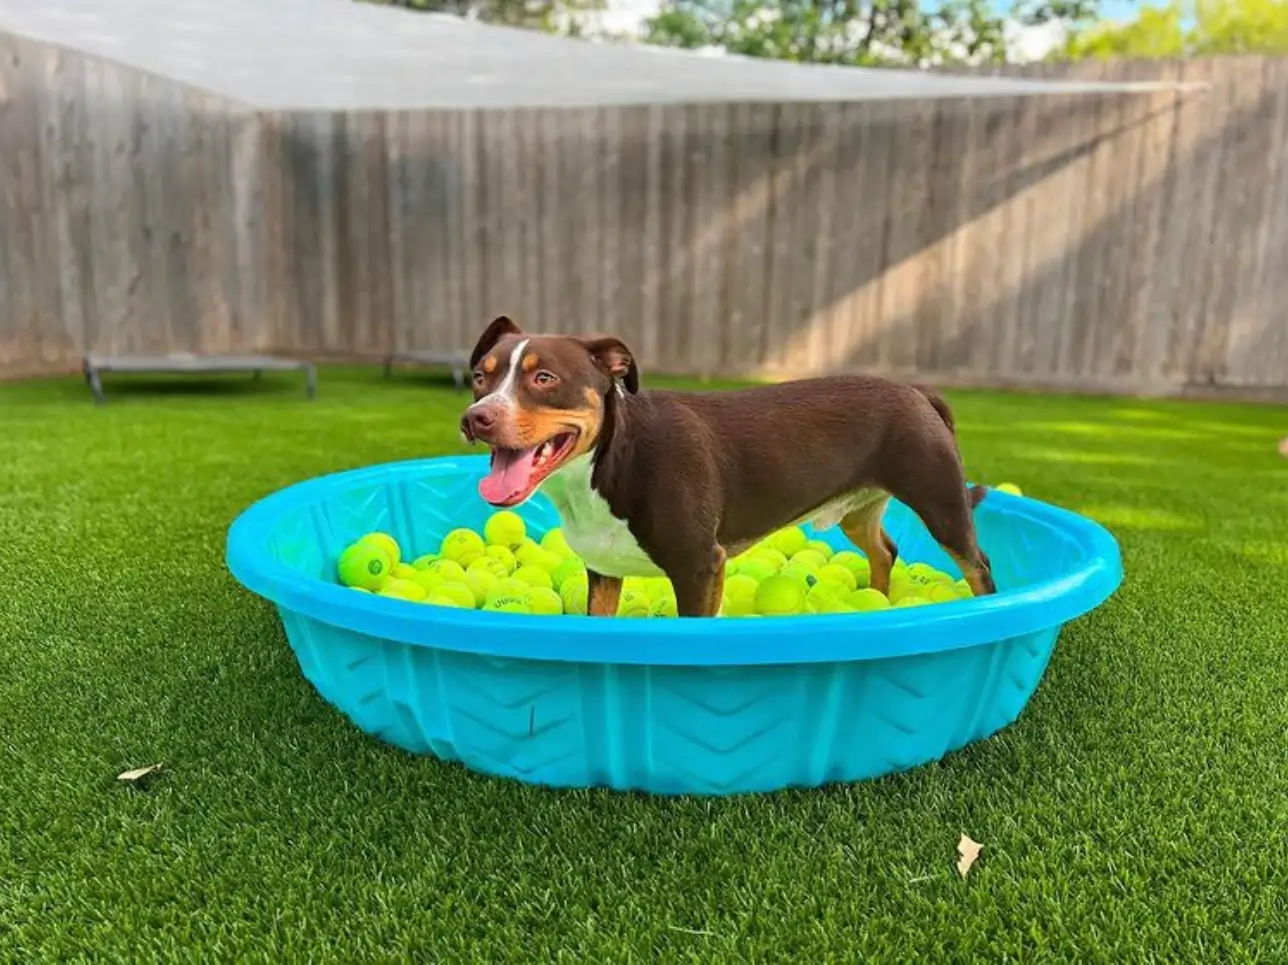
479,421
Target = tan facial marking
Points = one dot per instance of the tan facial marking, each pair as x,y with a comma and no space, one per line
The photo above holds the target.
530,362
489,364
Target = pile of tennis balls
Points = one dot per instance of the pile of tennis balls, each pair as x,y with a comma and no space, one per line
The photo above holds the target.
504,569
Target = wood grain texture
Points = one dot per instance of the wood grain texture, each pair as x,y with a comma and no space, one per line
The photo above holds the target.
1112,240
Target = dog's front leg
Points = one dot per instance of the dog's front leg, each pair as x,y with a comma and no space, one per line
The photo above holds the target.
602,594
699,583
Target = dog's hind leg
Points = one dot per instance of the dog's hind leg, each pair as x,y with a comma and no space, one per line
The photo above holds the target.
603,593
699,582
864,529
944,505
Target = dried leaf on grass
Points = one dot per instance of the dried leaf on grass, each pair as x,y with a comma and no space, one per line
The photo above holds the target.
969,851
139,774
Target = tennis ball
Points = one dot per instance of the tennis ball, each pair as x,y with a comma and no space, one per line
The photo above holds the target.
939,593
574,594
554,542
731,566
544,560
821,548
462,546
963,589
387,543
403,590
779,596
566,570
799,572
656,586
402,571
739,597
923,573
482,583
868,599
364,565
460,591
502,555
774,557
360,589
791,539
544,602
912,599
836,573
664,606
811,558
422,562
505,529
489,565
534,576
507,589
1009,488
446,570
756,570
633,603
438,598
505,603
824,598
527,550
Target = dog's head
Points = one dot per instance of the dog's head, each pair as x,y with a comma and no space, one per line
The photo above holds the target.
539,402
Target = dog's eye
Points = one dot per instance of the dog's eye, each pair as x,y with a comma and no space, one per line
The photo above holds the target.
545,378
478,378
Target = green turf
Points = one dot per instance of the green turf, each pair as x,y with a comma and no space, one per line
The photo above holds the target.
1138,810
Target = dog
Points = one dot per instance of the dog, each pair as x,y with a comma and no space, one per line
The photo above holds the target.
674,483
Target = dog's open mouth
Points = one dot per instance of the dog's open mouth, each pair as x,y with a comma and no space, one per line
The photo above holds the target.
516,473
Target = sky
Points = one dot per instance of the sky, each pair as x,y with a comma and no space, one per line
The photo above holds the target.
1031,43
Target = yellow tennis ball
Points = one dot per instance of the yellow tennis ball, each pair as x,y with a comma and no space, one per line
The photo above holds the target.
544,560
868,599
779,596
462,546
363,565
422,562
789,540
824,598
912,599
489,565
574,592
663,606
942,594
544,602
798,572
403,590
756,570
570,568
403,571
534,576
812,559
504,556
1008,488
554,542
836,573
963,589
386,543
771,555
460,591
822,549
633,603
506,529
438,598
446,570
505,603
482,583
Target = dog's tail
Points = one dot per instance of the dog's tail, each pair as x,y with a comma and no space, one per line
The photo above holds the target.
937,402
939,405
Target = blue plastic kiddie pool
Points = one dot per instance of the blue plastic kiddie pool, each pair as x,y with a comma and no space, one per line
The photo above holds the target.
670,706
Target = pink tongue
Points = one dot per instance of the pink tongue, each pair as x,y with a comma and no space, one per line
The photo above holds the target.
510,476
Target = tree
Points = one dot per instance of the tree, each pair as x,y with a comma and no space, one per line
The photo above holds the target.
551,16
855,32
1200,29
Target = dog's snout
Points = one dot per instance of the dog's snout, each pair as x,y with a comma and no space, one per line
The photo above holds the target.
479,420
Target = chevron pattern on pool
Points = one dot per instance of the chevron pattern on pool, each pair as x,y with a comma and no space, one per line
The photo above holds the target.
671,729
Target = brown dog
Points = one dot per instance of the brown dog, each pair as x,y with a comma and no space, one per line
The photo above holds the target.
671,483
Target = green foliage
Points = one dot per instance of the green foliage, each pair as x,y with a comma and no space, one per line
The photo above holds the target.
551,16
853,32
1203,29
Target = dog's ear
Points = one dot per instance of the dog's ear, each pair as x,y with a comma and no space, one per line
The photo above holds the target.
612,355
500,327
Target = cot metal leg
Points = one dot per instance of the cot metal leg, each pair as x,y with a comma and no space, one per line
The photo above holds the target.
95,384
259,374
311,381
458,377
389,366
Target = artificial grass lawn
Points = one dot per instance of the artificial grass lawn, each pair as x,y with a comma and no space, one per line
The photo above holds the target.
1138,810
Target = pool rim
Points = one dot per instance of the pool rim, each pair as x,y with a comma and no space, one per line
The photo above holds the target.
729,642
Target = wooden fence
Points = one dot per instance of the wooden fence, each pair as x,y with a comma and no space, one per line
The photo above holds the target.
1134,242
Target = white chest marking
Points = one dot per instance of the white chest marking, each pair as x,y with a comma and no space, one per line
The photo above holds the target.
602,540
